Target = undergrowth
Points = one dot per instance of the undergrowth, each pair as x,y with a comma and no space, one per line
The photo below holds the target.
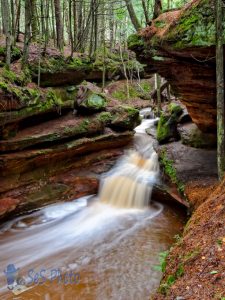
170,171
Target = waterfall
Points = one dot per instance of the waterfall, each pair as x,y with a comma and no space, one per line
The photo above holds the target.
129,184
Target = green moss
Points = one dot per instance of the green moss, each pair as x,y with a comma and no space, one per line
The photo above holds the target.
16,53
171,279
105,118
66,94
160,24
175,108
158,58
170,171
96,102
196,27
163,130
135,41
2,51
146,86
4,86
19,79
121,94
52,97
9,75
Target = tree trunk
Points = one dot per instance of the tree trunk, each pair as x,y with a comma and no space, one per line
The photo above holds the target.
34,20
133,15
59,24
17,21
145,11
157,8
220,90
27,38
7,26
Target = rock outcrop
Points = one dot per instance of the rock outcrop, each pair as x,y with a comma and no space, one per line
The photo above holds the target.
180,46
42,137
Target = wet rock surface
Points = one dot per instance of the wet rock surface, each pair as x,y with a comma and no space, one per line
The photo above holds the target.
194,137
190,163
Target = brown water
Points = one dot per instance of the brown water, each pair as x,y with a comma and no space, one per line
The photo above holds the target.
92,249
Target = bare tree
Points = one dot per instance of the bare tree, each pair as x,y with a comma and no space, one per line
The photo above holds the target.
220,89
59,24
133,15
7,28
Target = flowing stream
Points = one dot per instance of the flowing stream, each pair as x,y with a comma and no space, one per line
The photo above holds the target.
102,247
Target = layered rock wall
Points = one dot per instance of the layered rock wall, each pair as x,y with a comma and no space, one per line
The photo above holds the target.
180,46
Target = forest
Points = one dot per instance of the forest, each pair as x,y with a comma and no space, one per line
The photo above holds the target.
83,26
112,149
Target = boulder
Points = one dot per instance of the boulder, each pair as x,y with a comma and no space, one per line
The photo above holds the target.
167,126
192,136
124,118
89,99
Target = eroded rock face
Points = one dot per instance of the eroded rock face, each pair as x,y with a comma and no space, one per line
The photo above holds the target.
192,136
180,46
42,137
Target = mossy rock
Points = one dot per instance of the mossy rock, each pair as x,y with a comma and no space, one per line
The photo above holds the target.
89,99
195,27
16,53
167,126
105,117
125,118
135,41
192,136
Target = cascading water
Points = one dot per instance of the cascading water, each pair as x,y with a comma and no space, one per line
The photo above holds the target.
111,244
129,184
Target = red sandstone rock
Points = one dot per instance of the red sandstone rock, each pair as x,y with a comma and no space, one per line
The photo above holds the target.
7,205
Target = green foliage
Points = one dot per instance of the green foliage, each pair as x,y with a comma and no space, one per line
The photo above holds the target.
220,242
162,261
160,24
170,171
79,62
163,129
134,41
196,27
15,53
175,108
122,94
19,79
158,58
146,86
191,255
52,98
170,280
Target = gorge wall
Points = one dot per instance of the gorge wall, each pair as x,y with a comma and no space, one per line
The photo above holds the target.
180,46
56,128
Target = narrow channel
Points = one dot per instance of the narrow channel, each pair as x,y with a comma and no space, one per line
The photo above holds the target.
109,242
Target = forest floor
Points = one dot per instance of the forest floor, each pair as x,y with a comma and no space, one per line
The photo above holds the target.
195,266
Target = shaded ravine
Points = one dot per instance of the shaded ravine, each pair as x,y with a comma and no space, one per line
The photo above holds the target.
110,250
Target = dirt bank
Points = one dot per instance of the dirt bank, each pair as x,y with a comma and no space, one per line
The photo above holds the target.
195,266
